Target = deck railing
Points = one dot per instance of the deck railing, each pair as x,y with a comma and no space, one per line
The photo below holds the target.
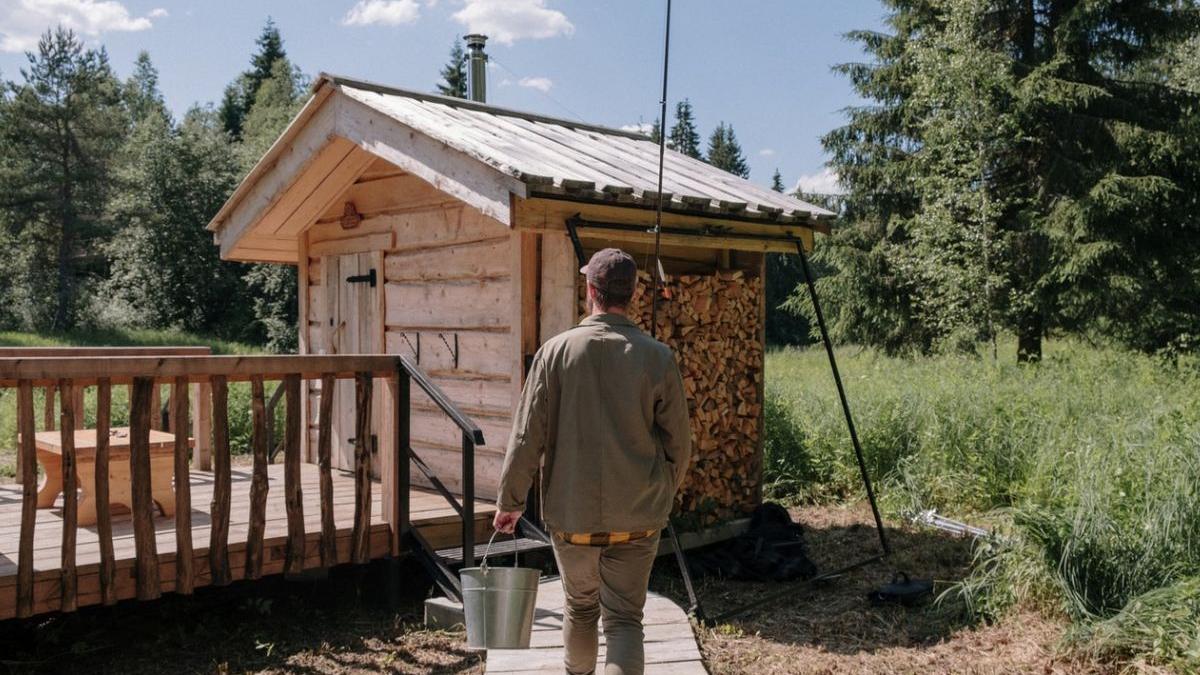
143,375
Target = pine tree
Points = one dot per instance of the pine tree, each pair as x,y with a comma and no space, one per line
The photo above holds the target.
61,129
1017,169
142,96
656,131
724,151
240,95
777,181
684,137
274,286
454,73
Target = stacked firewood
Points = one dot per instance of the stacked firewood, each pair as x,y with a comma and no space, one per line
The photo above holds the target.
712,324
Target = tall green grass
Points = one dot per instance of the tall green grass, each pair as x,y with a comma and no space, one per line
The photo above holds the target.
1089,461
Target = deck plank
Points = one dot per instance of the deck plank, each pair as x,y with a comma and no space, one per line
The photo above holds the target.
431,514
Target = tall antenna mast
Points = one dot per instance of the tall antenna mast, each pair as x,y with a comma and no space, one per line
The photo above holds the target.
662,154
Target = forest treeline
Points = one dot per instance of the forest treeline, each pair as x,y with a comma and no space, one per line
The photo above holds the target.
1028,167
104,196
1025,167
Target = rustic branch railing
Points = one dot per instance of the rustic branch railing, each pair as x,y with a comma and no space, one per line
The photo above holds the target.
144,375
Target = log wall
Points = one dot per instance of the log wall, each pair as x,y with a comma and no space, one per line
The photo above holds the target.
446,281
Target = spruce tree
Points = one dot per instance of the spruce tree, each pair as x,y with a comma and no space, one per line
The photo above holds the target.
61,129
141,94
684,137
1017,169
240,95
724,151
777,181
656,131
454,73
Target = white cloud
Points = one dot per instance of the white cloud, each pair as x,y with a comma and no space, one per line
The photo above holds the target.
823,182
22,22
542,84
386,12
639,128
158,13
507,21
766,152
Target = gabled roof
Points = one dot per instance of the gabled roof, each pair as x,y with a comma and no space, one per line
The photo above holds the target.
583,162
478,154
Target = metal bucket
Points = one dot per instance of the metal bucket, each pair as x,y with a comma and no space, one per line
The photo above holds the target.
499,603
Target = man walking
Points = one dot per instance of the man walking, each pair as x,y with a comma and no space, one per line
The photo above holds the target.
604,414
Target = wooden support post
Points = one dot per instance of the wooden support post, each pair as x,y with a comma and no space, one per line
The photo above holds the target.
324,464
397,477
140,411
77,405
70,496
28,455
258,483
360,537
108,563
156,407
218,540
202,426
48,409
293,496
184,564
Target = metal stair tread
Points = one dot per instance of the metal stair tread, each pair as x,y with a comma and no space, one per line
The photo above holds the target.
454,556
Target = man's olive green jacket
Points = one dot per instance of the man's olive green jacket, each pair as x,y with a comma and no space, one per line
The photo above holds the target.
603,410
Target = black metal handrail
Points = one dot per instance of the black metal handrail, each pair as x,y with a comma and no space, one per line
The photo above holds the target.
439,397
472,436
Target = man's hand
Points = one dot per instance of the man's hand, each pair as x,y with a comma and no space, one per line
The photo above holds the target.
506,521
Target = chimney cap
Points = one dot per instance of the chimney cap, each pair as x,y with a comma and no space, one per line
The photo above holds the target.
475,40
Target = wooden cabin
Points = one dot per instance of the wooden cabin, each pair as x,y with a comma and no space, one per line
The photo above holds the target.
449,231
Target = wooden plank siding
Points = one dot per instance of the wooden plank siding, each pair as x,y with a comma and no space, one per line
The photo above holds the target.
445,276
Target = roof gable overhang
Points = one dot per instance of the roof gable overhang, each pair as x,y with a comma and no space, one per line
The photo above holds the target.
329,144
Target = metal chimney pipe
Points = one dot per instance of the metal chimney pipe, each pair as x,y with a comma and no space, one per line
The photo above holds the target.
478,84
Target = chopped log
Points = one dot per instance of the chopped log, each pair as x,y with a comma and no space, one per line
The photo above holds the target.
28,454
324,463
185,575
218,538
140,412
70,495
359,544
293,497
258,482
108,563
713,324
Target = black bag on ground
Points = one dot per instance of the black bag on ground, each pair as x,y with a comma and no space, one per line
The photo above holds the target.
771,550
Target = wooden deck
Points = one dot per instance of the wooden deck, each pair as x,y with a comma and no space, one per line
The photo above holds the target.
435,519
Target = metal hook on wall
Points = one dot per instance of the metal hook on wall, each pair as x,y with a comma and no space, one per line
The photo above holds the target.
416,350
454,349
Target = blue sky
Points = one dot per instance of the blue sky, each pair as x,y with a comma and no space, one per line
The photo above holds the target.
762,65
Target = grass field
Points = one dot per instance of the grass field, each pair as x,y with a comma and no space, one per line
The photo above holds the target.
239,393
1088,465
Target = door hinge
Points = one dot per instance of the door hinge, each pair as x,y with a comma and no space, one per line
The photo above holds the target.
368,278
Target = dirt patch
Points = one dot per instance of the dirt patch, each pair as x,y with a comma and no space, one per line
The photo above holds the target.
833,629
342,625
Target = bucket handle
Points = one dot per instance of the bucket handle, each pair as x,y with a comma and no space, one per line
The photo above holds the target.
487,551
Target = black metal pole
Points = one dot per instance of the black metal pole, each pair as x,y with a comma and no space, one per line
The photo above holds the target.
837,378
468,488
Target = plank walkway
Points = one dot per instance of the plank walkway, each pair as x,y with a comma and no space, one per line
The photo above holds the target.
430,513
670,642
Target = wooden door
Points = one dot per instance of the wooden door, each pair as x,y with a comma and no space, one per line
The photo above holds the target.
353,286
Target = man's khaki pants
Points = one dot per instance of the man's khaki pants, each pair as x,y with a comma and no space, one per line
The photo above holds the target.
609,582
